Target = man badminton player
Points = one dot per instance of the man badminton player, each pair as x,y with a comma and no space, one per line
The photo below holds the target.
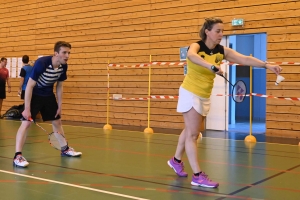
39,97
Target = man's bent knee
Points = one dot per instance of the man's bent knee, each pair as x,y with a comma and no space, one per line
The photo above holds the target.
26,124
56,123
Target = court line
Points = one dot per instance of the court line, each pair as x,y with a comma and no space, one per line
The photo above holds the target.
131,187
97,136
166,156
178,135
272,143
252,184
193,190
150,181
122,177
201,145
136,179
138,188
208,161
73,185
81,136
259,182
201,160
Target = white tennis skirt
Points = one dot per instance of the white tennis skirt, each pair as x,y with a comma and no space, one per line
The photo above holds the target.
188,100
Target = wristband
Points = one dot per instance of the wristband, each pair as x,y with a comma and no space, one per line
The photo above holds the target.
266,64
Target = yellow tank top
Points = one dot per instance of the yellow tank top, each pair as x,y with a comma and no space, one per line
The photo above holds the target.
199,80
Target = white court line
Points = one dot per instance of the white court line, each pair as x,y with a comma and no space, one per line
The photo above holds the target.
73,185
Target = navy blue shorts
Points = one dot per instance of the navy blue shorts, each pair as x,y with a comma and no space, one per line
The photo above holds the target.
46,105
2,92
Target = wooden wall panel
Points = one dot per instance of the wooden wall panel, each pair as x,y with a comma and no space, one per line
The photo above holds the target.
128,32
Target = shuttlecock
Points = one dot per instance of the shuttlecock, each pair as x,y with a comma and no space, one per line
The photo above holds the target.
279,79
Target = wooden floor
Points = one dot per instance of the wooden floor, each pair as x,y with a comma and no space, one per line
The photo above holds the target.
133,165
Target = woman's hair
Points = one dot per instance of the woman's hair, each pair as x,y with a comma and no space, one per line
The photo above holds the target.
208,24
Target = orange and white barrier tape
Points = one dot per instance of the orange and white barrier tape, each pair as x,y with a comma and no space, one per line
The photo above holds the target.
282,98
183,63
263,96
277,63
129,66
228,63
285,63
147,64
168,63
174,63
164,97
176,97
130,98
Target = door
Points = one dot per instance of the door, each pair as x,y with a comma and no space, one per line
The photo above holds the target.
217,116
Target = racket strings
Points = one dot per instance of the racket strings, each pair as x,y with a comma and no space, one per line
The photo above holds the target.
58,141
239,91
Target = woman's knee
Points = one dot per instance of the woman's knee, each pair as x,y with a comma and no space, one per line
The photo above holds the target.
192,135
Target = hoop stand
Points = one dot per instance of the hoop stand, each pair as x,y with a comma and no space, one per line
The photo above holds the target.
107,126
148,129
250,137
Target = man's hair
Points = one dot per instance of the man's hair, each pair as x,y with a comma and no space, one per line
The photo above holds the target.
61,44
208,24
2,59
25,59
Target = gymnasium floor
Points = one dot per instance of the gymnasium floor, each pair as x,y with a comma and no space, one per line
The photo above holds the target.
132,165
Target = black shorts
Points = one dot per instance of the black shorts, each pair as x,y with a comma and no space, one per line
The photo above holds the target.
22,94
2,92
47,106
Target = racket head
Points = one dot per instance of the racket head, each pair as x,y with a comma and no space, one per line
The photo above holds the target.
239,91
57,140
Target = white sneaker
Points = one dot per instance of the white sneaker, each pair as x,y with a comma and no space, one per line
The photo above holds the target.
71,153
20,161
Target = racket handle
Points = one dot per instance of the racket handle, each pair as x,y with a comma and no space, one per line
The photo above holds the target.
214,68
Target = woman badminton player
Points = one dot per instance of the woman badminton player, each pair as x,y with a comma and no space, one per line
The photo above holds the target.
203,60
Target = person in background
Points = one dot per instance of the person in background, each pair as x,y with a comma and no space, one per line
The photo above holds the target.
4,78
24,74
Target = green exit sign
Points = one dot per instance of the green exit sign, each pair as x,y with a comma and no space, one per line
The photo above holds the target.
237,22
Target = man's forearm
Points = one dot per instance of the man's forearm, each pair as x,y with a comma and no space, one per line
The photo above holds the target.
28,95
59,92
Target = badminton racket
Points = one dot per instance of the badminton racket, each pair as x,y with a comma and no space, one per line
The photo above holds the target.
239,90
55,139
